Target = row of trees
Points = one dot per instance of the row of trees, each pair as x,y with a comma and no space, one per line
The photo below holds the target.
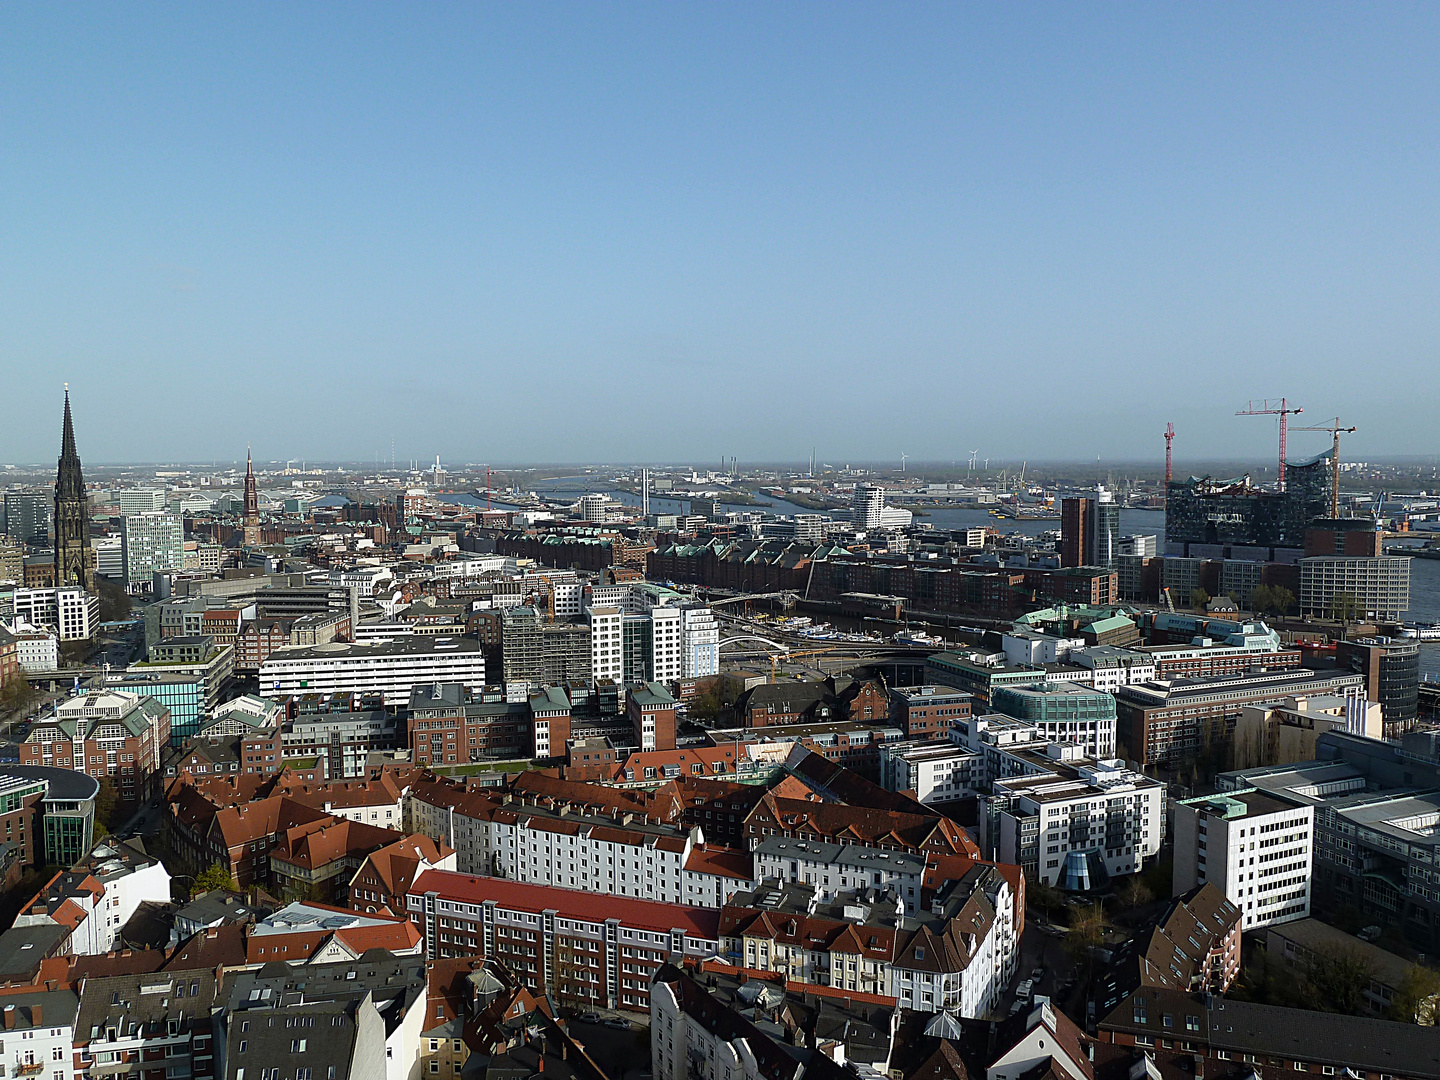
1264,600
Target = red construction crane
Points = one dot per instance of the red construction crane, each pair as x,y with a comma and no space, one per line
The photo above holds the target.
1169,438
1281,409
1335,431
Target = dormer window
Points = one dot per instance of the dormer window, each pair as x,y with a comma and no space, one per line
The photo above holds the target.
919,954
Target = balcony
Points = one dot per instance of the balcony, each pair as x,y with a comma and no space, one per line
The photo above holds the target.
34,1069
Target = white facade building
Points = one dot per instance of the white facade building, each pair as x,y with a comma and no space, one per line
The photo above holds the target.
142,501
1114,667
700,642
607,658
1077,826
70,611
934,771
365,579
150,543
109,557
576,850
391,668
36,650
1255,848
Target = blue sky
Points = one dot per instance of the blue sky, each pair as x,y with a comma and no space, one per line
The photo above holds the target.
671,231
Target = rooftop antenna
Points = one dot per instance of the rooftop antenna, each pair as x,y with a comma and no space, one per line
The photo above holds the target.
1169,438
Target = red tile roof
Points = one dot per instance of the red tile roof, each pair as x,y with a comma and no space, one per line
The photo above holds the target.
569,903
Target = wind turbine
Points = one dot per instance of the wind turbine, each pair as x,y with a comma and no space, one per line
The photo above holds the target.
972,458
903,456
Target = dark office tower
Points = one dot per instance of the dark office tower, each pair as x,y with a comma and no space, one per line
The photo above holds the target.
252,505
1391,667
1074,525
73,561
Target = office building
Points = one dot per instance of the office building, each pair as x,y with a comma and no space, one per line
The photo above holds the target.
182,692
606,642
174,660
74,560
1254,848
1183,723
1375,806
1352,588
699,642
150,544
1090,530
577,946
27,517
390,668
928,712
1063,712
71,613
1391,669
141,501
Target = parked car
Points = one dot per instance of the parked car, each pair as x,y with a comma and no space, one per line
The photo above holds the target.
1022,992
1037,974
589,1018
619,1023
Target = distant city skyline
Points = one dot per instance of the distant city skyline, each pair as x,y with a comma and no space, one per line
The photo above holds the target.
645,232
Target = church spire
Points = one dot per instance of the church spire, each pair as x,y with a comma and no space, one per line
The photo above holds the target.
73,559
68,479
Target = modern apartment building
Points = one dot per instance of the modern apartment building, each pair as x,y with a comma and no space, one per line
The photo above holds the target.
935,771
1078,825
1254,848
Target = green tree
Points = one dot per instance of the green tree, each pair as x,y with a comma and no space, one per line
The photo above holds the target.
1045,897
106,800
1344,606
1284,600
1262,599
1336,981
212,877
1415,997
1199,598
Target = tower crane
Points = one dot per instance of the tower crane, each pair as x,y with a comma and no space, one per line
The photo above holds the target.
1281,409
1335,432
